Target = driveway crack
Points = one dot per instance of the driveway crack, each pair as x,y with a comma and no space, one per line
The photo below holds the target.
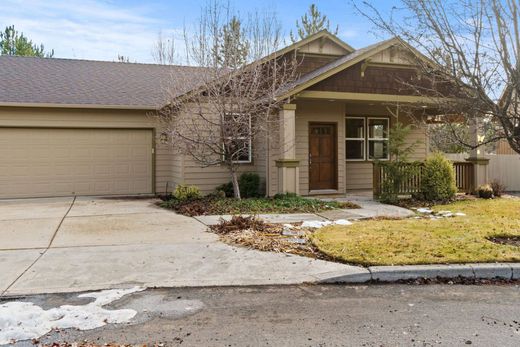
44,251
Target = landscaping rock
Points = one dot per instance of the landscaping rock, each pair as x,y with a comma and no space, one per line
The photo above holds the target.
293,233
297,240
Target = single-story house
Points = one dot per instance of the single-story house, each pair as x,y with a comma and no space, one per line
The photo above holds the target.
78,127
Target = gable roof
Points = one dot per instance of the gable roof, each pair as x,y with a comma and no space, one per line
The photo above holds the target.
322,34
32,81
336,66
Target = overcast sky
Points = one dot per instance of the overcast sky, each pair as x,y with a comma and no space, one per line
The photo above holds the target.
102,29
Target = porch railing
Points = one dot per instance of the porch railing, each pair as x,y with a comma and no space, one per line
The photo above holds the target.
464,177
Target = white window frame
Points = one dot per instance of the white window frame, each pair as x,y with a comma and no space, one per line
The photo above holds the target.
250,144
357,138
377,139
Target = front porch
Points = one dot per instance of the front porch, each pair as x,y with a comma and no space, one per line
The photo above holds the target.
327,147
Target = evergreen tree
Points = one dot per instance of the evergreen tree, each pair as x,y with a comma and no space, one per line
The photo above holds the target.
232,47
311,23
14,43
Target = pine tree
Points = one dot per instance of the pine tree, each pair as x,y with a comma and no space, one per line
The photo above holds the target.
232,48
14,43
311,23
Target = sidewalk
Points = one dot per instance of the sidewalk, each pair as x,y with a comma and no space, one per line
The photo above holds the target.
369,209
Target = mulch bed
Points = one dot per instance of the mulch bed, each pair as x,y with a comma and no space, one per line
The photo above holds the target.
214,205
506,240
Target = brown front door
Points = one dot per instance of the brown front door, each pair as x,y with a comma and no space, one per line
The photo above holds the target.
323,162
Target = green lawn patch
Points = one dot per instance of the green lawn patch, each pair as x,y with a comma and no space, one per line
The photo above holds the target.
213,205
423,241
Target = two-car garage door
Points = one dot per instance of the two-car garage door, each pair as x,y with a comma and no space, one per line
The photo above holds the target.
41,162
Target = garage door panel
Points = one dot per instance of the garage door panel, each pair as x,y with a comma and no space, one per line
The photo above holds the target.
60,162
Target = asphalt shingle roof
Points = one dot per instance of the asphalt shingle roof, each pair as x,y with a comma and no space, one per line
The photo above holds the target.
29,80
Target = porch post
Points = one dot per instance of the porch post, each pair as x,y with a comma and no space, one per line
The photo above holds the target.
287,164
477,157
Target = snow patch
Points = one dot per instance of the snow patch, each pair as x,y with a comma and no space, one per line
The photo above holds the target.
342,222
25,320
424,210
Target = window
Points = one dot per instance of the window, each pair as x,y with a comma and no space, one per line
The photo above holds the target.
366,138
237,137
355,138
377,138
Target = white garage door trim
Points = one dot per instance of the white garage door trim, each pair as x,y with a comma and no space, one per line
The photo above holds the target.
105,137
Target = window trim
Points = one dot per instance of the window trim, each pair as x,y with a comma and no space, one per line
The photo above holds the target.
250,143
387,119
364,139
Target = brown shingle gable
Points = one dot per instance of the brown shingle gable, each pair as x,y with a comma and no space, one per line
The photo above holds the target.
29,80
344,60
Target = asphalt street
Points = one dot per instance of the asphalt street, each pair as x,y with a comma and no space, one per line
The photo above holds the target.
308,315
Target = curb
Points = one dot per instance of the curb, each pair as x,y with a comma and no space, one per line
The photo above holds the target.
508,271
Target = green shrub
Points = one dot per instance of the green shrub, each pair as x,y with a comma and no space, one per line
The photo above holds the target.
183,192
485,191
249,183
226,189
281,196
438,179
498,188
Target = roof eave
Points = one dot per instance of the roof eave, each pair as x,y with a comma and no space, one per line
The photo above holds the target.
80,106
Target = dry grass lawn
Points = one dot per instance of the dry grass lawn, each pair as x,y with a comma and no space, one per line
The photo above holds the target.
422,241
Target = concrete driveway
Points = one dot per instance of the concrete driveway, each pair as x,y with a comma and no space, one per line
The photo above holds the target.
67,244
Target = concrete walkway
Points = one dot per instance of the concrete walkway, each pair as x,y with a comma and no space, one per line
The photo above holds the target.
369,209
67,245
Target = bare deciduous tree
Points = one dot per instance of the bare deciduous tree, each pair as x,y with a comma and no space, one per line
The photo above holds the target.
473,51
163,51
234,108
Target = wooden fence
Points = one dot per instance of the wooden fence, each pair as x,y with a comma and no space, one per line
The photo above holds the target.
502,167
411,183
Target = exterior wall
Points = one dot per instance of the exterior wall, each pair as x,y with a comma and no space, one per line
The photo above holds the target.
359,173
165,160
208,178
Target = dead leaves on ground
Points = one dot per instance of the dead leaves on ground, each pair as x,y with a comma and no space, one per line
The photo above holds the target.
251,232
